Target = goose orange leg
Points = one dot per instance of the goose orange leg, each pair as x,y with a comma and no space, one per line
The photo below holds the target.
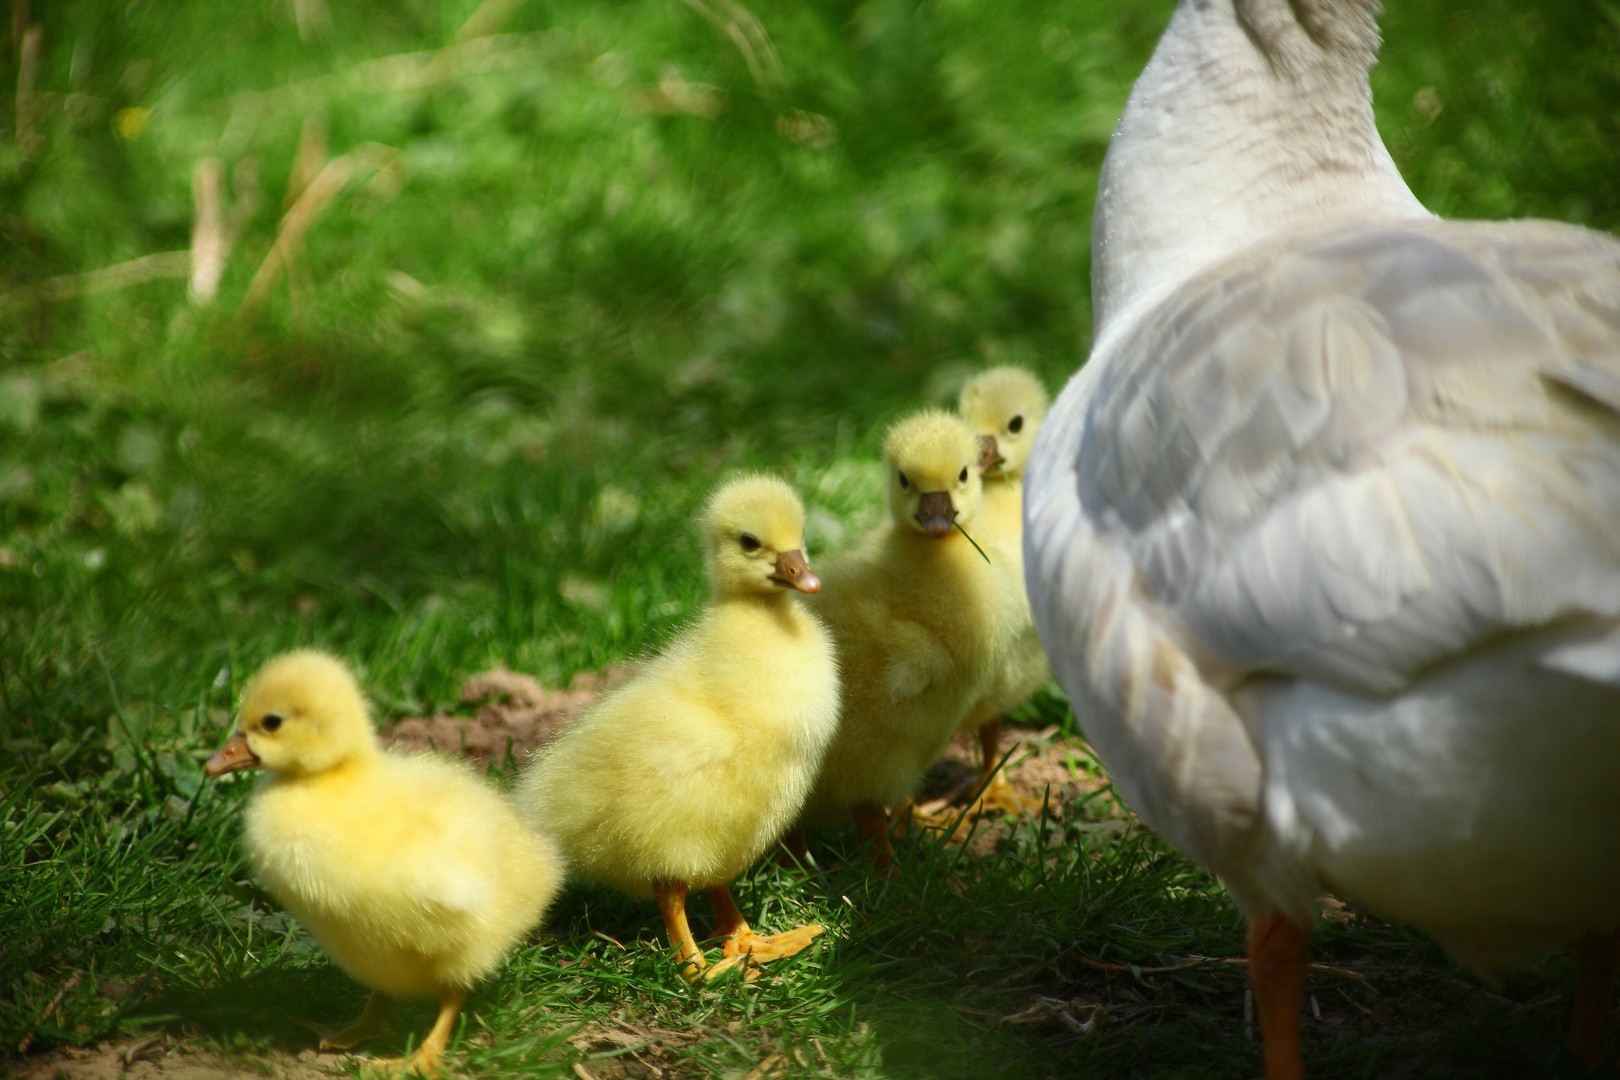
1279,956
872,820
1597,962
671,897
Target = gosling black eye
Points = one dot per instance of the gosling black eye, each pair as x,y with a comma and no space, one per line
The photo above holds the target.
748,543
1016,424
271,722
903,481
962,476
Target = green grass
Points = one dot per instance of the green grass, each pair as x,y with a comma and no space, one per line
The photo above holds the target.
516,362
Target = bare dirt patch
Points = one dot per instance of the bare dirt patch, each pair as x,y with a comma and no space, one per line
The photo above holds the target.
516,714
164,1056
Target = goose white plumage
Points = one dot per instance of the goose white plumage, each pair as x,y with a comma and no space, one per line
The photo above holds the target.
1322,540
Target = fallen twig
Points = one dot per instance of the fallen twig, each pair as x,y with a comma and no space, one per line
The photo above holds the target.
56,1003
1043,1009
771,1066
1192,962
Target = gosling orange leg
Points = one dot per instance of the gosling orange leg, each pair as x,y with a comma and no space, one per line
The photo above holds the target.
1597,962
739,936
426,1060
796,855
989,750
998,794
741,940
671,896
873,822
376,1021
902,816
729,921
1279,956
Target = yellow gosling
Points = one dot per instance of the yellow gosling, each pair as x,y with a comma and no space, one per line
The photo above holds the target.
414,874
683,776
1005,406
918,614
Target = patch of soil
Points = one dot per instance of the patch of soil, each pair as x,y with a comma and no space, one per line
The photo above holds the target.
633,1052
1044,764
516,714
161,1056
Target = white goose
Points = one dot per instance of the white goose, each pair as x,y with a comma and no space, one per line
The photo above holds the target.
1324,539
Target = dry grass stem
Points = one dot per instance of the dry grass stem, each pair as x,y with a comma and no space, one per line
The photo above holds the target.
27,75
164,264
313,17
773,1065
327,185
208,244
406,72
307,162
486,20
745,31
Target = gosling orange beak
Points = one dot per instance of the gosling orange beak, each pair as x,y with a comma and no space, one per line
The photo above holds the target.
989,456
234,756
794,572
936,514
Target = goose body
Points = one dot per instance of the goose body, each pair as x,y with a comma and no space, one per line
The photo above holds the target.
1322,539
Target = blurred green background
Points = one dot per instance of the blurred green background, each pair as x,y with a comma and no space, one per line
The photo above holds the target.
590,254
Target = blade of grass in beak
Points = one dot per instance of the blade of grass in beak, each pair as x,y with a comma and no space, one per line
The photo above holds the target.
972,541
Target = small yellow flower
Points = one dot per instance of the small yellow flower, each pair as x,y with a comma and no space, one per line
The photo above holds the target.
131,122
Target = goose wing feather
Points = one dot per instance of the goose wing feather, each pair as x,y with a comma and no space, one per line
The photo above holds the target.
1350,457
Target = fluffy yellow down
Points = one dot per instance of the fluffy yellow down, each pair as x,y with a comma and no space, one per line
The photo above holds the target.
694,768
1005,405
413,873
918,621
